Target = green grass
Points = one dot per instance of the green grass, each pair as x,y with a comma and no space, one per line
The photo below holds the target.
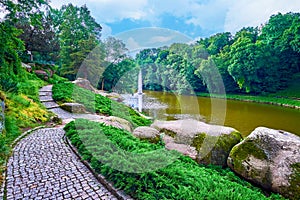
106,148
96,103
259,99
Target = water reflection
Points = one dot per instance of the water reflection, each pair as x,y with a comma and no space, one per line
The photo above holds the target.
244,116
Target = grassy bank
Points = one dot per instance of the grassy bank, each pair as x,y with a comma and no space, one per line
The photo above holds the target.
181,179
273,100
96,103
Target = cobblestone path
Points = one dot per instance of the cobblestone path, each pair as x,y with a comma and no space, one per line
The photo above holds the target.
46,99
43,167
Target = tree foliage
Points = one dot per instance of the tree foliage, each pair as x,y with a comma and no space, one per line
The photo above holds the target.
78,34
254,60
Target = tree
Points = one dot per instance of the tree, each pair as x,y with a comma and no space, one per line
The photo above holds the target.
210,76
10,44
40,39
114,72
115,50
218,42
76,28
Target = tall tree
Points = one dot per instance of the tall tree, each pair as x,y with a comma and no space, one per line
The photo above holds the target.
76,28
115,50
10,43
41,41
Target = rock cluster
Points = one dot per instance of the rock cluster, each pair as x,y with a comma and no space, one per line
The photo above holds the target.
207,144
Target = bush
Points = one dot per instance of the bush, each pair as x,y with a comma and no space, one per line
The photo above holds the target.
25,111
181,179
30,89
56,79
8,83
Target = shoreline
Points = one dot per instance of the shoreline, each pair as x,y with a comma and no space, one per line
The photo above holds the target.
276,101
257,99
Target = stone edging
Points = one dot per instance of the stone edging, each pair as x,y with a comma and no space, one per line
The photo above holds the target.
14,143
118,193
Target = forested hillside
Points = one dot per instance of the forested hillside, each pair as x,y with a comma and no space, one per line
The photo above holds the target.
255,60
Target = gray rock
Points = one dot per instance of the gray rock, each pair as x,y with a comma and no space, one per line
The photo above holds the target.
147,133
42,74
84,83
27,67
183,148
115,122
73,107
213,143
270,158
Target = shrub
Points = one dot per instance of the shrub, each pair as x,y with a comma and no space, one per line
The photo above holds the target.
56,79
8,83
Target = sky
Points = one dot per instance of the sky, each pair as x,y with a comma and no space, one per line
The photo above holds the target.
190,18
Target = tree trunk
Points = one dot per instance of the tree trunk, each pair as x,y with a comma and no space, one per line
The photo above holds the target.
102,86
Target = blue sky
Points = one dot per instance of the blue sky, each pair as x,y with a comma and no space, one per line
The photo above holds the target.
192,18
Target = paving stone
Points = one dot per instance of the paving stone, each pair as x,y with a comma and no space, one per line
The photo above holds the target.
50,105
42,167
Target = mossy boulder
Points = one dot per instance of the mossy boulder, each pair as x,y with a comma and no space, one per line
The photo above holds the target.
147,133
271,159
213,143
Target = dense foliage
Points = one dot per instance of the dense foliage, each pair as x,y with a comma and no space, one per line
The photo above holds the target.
96,103
254,60
181,179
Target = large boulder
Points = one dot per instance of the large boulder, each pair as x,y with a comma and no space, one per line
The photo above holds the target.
213,143
73,107
115,122
147,133
186,150
270,158
84,83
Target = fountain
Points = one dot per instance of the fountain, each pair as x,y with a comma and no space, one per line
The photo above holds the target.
140,92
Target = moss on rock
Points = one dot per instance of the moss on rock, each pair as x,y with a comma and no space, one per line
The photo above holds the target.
215,149
242,152
294,188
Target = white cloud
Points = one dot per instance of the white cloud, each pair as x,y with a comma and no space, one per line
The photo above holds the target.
212,15
245,13
58,3
106,31
132,45
111,10
160,39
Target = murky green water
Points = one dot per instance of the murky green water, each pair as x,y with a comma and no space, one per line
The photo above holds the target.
244,116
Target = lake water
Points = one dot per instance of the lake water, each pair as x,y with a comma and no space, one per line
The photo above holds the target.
243,116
